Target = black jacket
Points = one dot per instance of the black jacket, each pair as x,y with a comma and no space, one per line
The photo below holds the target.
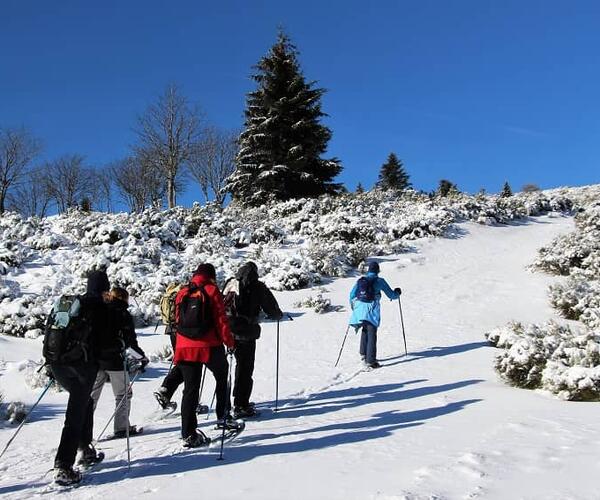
118,336
254,297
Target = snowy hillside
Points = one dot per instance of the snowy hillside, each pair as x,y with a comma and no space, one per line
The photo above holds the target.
438,423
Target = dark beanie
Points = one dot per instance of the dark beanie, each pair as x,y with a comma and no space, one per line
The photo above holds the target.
374,267
97,282
207,270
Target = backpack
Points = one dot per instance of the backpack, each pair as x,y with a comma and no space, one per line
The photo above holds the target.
167,304
231,297
365,289
193,312
242,326
67,333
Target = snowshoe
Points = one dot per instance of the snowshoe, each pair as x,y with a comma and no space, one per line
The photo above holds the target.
202,409
372,366
162,399
89,457
245,412
230,424
133,431
232,430
67,476
196,440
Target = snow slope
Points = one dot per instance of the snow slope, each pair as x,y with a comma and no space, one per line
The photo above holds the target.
435,424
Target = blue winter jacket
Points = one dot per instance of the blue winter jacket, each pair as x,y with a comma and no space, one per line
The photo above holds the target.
370,311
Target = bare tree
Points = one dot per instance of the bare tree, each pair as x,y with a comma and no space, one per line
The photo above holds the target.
168,132
214,161
69,181
139,182
17,150
103,189
31,198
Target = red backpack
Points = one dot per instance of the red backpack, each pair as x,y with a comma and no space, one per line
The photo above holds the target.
193,312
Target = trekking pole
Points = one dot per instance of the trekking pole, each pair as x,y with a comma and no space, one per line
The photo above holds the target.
118,406
277,372
50,382
127,409
202,382
342,348
402,322
212,403
227,406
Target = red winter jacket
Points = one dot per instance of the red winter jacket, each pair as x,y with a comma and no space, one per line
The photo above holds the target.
198,351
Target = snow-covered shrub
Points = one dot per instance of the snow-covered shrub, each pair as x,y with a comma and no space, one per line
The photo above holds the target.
317,303
551,357
23,314
578,299
35,378
15,412
163,354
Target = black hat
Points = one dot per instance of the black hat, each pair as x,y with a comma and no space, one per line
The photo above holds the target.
374,267
207,270
97,282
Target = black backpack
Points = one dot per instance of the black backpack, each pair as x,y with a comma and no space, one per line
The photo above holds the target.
365,289
68,332
193,312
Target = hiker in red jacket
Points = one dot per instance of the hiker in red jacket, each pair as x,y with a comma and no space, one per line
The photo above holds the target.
202,333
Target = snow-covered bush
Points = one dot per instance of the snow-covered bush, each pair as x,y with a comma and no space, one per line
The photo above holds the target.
578,299
35,377
25,315
15,412
317,303
163,354
551,357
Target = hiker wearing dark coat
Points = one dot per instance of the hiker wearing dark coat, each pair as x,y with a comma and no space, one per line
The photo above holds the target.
253,297
191,354
77,378
367,314
114,341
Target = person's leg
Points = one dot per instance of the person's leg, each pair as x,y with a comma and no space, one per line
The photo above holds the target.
363,339
101,377
78,381
371,343
172,381
219,367
192,373
90,376
119,380
245,355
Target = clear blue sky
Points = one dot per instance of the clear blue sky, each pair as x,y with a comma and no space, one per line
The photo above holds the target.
476,91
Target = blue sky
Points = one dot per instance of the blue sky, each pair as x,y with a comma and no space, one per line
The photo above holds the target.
476,91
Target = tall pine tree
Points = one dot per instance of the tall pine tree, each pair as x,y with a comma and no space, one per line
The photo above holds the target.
393,175
283,140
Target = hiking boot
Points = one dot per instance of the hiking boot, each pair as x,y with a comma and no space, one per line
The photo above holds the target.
196,440
244,412
66,476
374,365
163,400
363,358
133,431
230,424
89,456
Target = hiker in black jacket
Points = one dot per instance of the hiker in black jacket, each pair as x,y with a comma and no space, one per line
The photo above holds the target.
114,341
245,297
77,378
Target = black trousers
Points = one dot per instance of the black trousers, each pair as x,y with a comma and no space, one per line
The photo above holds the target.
245,353
174,378
79,418
192,375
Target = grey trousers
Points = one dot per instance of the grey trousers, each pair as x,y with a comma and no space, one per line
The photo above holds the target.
119,381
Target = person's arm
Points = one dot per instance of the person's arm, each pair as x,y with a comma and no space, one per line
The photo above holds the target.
219,317
129,335
385,288
268,302
353,292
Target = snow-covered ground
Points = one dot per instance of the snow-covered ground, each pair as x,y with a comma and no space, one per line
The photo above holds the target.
437,423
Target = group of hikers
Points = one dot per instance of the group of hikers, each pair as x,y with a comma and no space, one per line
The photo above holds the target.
90,340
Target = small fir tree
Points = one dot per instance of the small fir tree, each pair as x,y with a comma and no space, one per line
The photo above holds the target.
360,189
393,175
506,190
283,140
446,188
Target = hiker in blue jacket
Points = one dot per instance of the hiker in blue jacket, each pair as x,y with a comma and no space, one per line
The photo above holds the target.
366,311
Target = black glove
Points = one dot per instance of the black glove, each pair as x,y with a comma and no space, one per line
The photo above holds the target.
230,351
48,372
143,363
398,291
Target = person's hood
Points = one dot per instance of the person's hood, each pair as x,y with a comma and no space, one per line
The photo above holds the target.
201,279
97,283
248,273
